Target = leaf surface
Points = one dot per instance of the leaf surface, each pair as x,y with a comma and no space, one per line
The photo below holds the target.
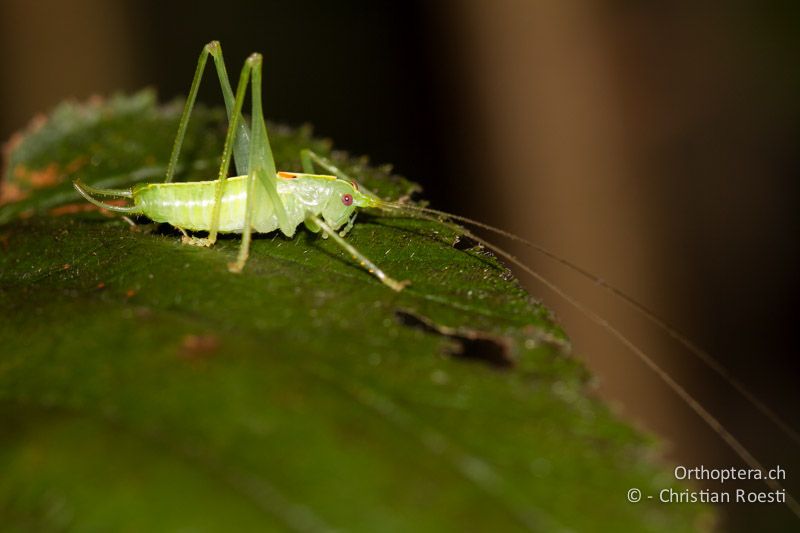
143,386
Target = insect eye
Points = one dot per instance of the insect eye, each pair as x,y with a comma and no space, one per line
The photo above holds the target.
347,199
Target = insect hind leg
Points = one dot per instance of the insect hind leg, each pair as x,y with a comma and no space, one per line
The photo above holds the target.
240,148
237,140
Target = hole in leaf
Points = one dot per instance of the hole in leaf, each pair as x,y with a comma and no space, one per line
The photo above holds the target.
465,243
470,345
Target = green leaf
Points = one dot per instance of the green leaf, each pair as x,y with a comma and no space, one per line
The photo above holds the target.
144,387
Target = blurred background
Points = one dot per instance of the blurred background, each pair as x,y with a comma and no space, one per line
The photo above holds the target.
653,143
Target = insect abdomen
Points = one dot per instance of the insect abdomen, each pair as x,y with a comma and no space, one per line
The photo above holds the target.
190,205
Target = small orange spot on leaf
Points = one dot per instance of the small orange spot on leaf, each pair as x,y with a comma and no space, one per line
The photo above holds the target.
11,145
95,101
36,123
84,207
198,346
76,164
27,179
130,293
70,209
49,176
11,192
120,202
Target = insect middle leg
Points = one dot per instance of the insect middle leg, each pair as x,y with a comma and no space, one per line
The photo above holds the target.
261,163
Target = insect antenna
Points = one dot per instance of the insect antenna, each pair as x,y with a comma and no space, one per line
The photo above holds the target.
650,315
739,448
87,191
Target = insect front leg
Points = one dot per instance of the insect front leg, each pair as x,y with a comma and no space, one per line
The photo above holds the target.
358,256
344,231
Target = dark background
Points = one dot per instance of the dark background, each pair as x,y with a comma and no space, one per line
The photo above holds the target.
654,143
